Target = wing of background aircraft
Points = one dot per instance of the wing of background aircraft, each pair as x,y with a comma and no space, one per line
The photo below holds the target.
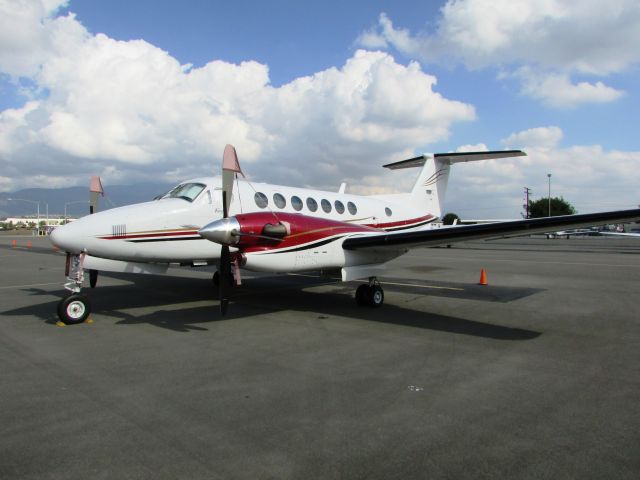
620,234
462,233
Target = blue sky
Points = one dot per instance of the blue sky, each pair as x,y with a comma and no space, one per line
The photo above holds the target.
318,93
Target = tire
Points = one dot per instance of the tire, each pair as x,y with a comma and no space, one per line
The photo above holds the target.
216,279
93,278
376,296
362,294
74,309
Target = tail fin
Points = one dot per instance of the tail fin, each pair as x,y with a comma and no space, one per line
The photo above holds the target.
430,189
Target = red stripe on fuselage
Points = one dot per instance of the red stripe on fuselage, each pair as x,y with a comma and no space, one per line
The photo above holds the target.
401,223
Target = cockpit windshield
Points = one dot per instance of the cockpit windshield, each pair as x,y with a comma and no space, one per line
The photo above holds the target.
186,191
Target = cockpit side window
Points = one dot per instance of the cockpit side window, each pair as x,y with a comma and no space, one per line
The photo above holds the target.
186,191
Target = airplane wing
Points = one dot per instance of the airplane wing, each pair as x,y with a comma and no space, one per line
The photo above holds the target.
462,233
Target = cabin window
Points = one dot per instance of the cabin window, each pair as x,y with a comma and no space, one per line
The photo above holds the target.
326,205
339,206
279,200
296,203
388,211
261,200
352,208
186,191
312,205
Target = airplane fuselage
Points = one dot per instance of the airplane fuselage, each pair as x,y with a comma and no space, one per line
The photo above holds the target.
166,230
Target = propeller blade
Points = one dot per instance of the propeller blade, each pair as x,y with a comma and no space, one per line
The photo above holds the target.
225,279
230,166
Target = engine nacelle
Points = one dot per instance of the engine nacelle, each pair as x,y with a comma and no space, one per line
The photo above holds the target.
274,231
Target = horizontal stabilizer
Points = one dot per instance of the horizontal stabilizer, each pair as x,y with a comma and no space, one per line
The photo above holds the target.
457,157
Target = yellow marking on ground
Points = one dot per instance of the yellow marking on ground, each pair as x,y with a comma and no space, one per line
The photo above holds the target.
89,320
61,324
30,285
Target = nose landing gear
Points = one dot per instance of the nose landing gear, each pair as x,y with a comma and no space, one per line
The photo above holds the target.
76,307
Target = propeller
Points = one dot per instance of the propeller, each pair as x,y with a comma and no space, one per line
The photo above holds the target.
95,190
225,270
230,166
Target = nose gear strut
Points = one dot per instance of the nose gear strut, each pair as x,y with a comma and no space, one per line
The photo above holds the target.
76,307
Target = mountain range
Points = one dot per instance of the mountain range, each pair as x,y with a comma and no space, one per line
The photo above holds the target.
75,198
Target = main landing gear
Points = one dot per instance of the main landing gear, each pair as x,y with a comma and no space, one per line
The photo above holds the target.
370,294
76,307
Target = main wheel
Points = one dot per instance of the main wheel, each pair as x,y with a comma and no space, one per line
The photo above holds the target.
216,279
363,294
93,278
74,309
376,297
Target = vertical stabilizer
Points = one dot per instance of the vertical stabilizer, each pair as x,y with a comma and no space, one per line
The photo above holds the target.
429,192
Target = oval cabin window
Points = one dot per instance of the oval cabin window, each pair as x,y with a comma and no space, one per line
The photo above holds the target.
279,200
261,200
296,203
312,205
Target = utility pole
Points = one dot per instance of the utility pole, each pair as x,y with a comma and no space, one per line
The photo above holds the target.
549,176
527,192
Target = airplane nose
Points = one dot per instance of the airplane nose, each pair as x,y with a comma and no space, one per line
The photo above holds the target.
56,237
224,231
64,238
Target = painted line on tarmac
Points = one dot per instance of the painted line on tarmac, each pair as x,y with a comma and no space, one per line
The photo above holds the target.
514,260
423,286
31,285
392,283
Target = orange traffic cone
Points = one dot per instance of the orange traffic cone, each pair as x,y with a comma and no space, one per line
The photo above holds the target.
28,243
14,243
483,278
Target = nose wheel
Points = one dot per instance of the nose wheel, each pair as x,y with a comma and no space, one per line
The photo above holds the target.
74,309
371,294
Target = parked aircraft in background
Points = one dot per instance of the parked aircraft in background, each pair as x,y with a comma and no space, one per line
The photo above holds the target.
230,222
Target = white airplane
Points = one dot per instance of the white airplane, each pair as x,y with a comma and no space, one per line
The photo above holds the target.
275,228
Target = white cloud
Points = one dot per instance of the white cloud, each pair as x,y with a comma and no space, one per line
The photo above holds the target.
479,147
540,138
557,90
588,176
128,110
553,39
30,33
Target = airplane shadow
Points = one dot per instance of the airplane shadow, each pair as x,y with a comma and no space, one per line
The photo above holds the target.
169,298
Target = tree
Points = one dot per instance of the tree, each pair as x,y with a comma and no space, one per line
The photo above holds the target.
449,218
559,206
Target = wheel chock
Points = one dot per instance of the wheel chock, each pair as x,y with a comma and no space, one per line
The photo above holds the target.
61,324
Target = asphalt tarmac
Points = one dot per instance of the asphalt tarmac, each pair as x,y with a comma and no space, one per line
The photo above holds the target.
536,375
